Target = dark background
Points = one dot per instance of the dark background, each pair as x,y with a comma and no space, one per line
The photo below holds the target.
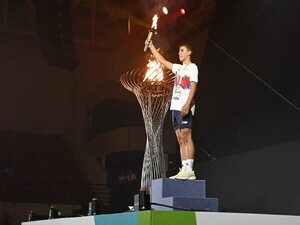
238,112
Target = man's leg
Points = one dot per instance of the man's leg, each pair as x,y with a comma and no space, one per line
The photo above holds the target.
182,155
180,140
177,120
183,131
187,149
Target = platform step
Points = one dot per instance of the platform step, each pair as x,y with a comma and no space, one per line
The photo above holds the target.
191,204
165,187
174,194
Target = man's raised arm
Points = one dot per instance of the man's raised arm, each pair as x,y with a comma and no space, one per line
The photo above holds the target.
159,57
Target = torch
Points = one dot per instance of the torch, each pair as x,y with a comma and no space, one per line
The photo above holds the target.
152,31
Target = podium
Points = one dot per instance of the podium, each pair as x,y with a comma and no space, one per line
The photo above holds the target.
175,194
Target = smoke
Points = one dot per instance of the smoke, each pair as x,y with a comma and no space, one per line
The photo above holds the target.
151,7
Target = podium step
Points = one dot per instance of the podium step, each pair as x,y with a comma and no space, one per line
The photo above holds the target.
191,204
165,187
174,194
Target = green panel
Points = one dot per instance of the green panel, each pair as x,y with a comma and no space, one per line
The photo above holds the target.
144,218
173,218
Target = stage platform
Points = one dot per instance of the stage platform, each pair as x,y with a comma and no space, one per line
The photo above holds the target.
174,218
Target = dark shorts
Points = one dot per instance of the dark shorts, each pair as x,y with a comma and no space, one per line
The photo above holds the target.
181,122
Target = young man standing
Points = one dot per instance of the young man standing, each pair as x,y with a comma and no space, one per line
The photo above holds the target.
182,105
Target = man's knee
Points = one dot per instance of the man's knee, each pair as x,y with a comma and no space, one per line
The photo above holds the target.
179,136
186,134
183,136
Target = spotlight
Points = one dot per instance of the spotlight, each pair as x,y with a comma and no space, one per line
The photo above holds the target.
165,10
182,11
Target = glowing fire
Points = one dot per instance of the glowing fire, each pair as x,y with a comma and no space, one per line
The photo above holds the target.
154,71
154,22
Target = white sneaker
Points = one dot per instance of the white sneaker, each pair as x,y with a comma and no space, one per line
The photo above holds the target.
181,170
186,175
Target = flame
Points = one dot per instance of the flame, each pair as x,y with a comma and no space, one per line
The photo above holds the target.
154,71
154,22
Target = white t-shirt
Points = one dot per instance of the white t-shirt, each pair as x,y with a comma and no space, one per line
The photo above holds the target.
184,74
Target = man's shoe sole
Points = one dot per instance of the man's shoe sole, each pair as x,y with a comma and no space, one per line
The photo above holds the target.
184,178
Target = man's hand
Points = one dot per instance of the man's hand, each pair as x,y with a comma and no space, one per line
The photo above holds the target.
158,56
185,109
148,42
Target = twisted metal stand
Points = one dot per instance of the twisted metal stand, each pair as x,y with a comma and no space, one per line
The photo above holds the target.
154,97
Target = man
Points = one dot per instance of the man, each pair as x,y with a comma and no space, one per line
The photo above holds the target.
182,105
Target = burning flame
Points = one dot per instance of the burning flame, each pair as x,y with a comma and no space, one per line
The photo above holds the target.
154,71
154,22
